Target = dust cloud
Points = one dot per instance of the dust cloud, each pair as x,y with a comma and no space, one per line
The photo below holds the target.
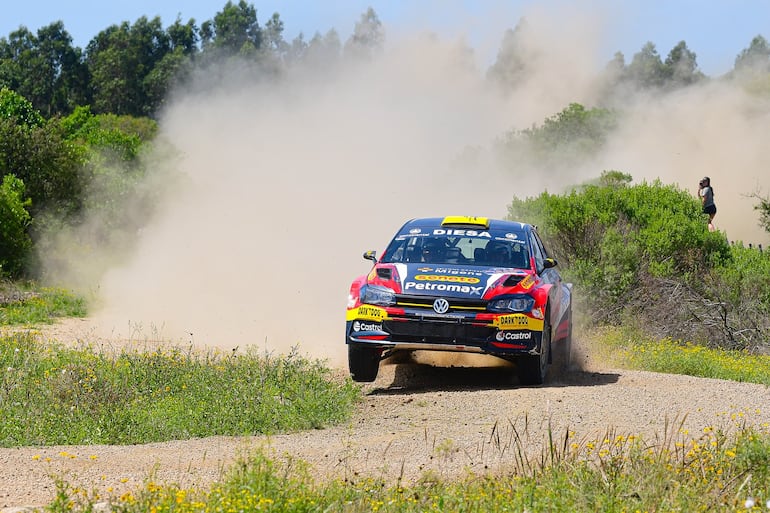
285,185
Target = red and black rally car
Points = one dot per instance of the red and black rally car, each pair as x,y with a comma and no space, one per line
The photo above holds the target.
465,284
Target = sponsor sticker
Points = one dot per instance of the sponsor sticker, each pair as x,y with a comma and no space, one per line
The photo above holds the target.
514,320
503,336
448,278
527,282
517,322
449,270
367,313
366,326
464,233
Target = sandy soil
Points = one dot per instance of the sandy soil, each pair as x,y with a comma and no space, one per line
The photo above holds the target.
414,419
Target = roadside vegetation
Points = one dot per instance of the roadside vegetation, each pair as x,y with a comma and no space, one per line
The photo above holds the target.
640,255
720,469
54,395
25,304
631,348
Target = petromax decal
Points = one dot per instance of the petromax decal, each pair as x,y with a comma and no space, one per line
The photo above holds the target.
444,287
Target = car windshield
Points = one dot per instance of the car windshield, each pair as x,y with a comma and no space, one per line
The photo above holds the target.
503,249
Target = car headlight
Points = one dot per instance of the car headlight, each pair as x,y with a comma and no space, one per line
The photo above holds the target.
512,304
376,295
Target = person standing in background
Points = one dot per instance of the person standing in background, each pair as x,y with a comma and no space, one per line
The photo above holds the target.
706,195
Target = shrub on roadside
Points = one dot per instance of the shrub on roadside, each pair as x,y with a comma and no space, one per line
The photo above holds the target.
610,236
15,243
642,254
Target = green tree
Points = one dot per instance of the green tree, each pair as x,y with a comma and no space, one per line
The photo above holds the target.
183,36
19,110
646,68
297,49
15,242
572,135
763,207
46,69
323,51
616,67
121,137
112,175
755,58
272,39
681,67
510,67
174,68
574,125
21,68
234,30
36,152
120,58
368,37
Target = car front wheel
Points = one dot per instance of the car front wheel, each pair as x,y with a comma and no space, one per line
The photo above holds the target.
363,362
533,368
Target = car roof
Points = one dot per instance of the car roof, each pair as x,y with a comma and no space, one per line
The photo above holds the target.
481,223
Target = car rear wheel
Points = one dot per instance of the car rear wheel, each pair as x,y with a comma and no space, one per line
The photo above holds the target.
363,362
533,368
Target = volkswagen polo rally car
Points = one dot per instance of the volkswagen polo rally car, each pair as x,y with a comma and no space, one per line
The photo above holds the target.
464,284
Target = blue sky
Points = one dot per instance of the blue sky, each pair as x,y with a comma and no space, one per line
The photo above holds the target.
716,30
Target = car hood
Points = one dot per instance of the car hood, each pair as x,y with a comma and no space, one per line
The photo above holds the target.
458,281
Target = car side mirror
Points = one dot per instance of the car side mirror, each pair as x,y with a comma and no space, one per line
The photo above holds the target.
550,262
371,255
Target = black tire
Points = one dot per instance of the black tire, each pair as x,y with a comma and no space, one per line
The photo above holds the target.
533,369
363,362
562,350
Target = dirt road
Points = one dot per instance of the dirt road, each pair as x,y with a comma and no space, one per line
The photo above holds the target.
414,419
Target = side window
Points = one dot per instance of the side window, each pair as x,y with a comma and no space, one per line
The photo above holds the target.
542,246
539,252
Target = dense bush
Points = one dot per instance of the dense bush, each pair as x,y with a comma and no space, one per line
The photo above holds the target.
35,151
15,242
642,254
63,171
734,300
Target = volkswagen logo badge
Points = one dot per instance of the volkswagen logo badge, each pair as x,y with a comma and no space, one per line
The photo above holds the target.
440,306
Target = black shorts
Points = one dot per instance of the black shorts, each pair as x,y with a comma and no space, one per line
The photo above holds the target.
710,210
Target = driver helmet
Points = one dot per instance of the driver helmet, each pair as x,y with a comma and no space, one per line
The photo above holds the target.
432,250
498,253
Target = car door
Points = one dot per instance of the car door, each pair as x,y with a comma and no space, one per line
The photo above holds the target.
550,275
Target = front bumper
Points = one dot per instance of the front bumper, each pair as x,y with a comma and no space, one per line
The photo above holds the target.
417,328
